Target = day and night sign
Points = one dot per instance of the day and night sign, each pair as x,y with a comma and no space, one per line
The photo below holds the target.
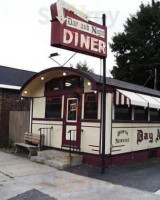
71,30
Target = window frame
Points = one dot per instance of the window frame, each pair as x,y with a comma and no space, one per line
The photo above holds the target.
62,80
129,113
60,99
158,111
69,99
86,101
146,109
51,81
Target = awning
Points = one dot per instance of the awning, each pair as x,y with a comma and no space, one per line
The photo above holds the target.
129,98
153,103
157,99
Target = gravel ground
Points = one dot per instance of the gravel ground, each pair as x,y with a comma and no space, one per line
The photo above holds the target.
32,195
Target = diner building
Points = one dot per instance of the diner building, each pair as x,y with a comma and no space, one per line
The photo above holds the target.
70,101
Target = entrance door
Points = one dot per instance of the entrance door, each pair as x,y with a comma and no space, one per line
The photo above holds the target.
72,116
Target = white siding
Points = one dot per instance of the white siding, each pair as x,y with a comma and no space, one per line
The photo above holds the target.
39,105
90,138
55,138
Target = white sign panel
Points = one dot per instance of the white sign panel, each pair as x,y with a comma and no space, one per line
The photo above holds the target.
129,137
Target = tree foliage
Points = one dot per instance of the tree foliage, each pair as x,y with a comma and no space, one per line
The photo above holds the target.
84,67
137,49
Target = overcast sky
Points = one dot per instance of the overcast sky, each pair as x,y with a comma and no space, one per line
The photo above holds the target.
25,31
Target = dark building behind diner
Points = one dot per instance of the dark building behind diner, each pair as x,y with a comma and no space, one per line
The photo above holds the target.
11,81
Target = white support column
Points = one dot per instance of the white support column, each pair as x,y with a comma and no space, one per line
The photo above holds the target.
99,105
31,114
148,113
113,107
83,102
132,110
62,111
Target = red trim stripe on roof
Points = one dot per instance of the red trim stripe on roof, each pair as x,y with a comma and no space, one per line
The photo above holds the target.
121,99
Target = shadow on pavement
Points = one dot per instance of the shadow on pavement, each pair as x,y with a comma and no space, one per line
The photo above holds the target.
32,195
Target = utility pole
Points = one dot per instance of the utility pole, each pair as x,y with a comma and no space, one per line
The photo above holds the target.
155,78
104,109
156,67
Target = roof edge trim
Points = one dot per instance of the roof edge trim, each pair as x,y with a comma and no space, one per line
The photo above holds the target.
4,86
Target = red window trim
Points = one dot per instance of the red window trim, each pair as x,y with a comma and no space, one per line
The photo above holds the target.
91,94
60,98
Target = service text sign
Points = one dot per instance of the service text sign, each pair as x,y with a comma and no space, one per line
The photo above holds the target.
71,30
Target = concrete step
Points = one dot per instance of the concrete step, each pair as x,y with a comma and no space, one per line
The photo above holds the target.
76,160
51,163
59,155
38,159
57,164
46,153
57,159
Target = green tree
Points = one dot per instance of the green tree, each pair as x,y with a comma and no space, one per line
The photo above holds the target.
84,67
137,49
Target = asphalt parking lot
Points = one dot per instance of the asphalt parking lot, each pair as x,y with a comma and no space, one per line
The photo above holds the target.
143,175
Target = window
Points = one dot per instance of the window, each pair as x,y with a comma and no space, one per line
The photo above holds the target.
71,83
154,115
54,85
72,109
53,108
91,106
140,114
81,82
123,112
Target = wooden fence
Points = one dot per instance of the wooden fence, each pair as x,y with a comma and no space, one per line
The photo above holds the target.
18,125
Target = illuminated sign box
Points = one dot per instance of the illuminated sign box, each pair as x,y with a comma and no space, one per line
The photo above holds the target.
75,33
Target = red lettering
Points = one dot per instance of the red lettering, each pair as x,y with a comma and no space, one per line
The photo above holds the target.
146,136
139,136
151,137
158,135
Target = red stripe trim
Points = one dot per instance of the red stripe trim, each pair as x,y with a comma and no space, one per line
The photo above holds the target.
48,119
118,99
120,95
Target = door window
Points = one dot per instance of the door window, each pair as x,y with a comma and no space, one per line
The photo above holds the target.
72,110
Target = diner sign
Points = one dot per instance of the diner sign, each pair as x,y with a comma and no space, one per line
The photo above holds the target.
72,30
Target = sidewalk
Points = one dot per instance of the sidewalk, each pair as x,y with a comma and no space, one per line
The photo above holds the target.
19,175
